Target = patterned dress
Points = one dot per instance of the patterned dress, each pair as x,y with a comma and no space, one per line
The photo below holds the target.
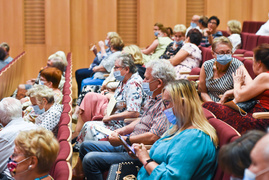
218,86
193,60
129,96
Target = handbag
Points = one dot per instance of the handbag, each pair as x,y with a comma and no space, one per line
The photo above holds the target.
124,171
242,107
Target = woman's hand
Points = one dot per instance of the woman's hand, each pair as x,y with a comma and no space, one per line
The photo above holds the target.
141,152
239,77
106,118
114,139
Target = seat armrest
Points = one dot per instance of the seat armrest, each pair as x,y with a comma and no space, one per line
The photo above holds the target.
185,72
193,77
129,120
261,115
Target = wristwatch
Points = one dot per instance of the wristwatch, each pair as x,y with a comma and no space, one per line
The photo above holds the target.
128,140
148,161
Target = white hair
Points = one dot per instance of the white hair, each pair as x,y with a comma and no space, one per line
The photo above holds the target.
10,108
60,55
41,91
162,69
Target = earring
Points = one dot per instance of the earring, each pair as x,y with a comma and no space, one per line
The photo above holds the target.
30,167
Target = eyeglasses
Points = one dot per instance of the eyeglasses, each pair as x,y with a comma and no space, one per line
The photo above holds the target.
115,67
166,103
223,52
212,22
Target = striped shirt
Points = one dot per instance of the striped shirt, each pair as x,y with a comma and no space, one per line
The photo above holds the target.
218,86
153,120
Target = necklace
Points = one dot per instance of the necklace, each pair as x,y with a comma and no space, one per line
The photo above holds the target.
42,177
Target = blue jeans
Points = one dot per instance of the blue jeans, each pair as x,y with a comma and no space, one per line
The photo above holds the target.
82,74
97,156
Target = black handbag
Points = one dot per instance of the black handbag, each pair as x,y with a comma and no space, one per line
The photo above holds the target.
124,170
248,105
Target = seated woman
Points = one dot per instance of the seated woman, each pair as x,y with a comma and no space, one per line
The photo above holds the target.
34,154
202,23
2,57
102,54
128,95
234,29
189,55
216,74
188,149
156,29
234,157
49,113
174,47
157,48
116,45
244,90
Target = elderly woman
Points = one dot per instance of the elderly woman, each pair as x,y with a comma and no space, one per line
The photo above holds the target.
49,113
34,154
174,47
245,90
216,74
116,45
128,95
234,30
102,54
189,55
158,46
188,149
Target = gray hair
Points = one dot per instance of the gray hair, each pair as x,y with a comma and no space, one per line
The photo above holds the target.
162,69
41,91
127,60
10,108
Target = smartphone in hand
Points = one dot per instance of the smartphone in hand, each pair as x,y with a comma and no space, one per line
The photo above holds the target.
127,146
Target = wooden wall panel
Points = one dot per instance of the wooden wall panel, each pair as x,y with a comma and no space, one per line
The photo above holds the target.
260,10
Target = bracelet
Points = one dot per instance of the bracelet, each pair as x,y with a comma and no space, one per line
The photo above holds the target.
148,161
128,140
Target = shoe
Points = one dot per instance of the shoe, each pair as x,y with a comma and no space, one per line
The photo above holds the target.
76,148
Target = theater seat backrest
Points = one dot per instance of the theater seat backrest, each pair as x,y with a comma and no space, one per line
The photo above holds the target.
252,41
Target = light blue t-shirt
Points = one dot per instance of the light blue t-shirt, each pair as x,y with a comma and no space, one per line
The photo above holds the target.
189,155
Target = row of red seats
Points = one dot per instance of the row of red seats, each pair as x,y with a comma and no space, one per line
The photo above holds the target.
251,26
61,169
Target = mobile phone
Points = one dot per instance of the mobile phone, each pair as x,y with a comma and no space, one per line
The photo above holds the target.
127,146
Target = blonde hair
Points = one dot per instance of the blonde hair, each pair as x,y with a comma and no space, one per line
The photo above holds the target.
234,26
40,143
112,34
117,43
221,40
188,108
41,91
61,55
180,28
135,52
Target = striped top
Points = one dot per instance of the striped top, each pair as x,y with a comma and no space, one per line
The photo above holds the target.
153,120
218,86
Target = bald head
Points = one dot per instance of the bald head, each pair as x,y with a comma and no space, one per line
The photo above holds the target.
195,19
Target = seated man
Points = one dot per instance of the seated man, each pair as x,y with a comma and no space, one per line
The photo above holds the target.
11,119
97,156
7,58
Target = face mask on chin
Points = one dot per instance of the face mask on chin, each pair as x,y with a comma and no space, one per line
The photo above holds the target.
156,34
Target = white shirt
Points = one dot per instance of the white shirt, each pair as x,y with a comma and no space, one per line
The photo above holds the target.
189,28
235,40
7,137
264,29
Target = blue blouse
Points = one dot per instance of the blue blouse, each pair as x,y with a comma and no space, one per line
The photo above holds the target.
189,155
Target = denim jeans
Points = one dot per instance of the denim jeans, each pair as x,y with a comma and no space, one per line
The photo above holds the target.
82,74
97,156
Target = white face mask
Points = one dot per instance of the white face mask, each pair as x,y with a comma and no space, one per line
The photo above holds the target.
248,175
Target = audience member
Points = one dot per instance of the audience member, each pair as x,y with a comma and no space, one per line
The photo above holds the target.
156,29
34,154
188,150
2,56
174,47
246,89
102,54
49,113
189,56
129,98
6,47
116,45
11,119
157,48
211,33
234,30
203,26
146,130
234,157
170,33
259,167
264,29
216,74
194,23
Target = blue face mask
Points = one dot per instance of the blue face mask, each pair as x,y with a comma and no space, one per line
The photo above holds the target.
38,110
118,75
106,43
193,25
146,89
170,116
179,42
156,34
41,82
224,59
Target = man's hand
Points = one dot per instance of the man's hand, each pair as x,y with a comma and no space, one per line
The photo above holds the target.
114,139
